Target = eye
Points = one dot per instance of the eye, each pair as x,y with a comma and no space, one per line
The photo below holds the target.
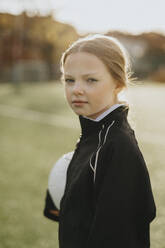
92,80
69,80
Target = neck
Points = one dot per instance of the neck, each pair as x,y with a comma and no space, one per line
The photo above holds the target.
107,111
89,126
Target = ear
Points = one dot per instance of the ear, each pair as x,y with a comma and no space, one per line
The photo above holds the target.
118,88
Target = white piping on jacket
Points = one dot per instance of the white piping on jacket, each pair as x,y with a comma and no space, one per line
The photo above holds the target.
99,148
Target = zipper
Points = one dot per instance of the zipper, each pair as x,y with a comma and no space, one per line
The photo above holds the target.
96,153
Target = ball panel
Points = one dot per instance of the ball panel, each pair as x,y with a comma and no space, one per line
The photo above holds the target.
57,178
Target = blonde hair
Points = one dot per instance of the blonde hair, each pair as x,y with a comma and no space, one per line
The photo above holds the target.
109,50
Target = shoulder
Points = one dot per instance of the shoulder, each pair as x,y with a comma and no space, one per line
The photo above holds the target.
122,137
125,149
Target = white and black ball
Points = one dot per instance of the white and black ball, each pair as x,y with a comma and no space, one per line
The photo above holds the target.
57,178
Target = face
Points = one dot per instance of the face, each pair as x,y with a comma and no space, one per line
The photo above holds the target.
89,87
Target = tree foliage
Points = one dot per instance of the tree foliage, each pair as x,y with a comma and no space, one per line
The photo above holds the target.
37,38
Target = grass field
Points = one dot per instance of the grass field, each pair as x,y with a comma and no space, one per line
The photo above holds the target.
36,128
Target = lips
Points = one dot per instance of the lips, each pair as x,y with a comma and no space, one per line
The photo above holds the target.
78,101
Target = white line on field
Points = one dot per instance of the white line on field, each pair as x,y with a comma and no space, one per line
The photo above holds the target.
25,114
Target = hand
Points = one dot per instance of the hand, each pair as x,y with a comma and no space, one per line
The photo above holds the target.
55,212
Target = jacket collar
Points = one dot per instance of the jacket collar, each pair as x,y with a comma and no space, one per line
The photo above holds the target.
89,126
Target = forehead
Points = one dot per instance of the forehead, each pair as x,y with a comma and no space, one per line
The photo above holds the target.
84,63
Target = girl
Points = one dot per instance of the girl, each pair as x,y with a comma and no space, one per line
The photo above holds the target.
108,200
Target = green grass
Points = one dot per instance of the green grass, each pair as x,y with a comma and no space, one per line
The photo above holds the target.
28,150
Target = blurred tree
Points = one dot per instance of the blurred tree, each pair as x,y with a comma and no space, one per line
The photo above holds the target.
37,38
147,52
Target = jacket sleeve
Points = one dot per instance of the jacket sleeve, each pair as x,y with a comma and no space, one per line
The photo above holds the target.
124,205
50,210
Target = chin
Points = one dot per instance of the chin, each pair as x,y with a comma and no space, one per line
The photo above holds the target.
79,112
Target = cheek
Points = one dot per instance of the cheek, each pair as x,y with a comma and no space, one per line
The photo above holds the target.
102,95
97,99
67,93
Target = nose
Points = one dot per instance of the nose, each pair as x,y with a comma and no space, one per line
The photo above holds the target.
78,88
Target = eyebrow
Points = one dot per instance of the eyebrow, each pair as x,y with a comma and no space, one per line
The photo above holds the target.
88,74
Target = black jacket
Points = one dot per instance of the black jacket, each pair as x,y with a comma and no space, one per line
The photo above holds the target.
108,200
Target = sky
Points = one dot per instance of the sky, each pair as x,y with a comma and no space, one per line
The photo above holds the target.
98,15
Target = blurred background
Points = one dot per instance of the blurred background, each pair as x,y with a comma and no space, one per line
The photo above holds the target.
36,124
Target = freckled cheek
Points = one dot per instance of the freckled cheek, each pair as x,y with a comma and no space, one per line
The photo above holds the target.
98,100
95,102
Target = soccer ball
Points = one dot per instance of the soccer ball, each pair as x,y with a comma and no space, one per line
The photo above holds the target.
57,178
